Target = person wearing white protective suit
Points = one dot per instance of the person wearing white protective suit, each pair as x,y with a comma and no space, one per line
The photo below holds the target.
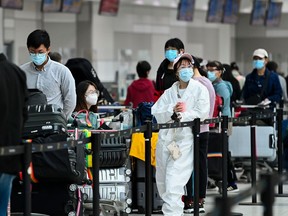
184,101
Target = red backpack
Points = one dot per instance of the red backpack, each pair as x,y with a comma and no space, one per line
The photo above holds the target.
217,107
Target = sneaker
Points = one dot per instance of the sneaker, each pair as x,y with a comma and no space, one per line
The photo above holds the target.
232,189
188,207
211,186
201,207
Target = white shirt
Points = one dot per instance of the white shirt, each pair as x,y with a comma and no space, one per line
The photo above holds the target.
55,81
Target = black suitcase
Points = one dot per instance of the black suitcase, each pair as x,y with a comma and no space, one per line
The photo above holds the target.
215,156
54,199
63,165
138,189
44,120
114,153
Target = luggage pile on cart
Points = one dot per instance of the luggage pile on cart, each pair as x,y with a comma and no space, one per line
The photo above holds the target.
55,174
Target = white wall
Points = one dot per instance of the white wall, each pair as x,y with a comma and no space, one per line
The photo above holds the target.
140,30
2,32
273,39
145,28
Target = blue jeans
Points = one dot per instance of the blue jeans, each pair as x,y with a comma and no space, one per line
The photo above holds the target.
5,191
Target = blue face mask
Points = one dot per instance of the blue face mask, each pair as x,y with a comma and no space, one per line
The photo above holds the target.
185,74
38,58
171,55
258,64
211,76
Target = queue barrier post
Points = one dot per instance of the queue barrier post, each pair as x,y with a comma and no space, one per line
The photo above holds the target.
148,169
196,134
96,146
27,157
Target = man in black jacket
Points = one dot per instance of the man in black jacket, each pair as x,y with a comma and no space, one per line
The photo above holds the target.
13,95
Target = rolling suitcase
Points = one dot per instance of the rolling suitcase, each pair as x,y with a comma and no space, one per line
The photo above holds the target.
44,120
240,144
115,192
55,199
139,190
66,165
215,156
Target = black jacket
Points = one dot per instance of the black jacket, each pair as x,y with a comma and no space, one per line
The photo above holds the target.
165,77
13,96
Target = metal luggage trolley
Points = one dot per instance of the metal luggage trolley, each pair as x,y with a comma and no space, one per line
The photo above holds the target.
266,139
114,177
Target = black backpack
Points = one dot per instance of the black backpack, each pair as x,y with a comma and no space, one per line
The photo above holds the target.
64,165
81,70
36,97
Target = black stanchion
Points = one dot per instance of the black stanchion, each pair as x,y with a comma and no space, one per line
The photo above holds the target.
196,134
224,134
148,169
96,145
253,158
280,151
224,128
225,206
26,177
268,194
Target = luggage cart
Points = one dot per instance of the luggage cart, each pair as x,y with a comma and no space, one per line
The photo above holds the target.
115,172
266,148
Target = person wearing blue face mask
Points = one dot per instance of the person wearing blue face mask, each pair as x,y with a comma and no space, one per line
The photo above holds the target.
52,78
165,75
224,89
261,85
185,100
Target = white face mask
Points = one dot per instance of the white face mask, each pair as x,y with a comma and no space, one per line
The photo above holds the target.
91,99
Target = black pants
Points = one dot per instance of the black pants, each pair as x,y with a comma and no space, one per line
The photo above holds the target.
203,148
231,174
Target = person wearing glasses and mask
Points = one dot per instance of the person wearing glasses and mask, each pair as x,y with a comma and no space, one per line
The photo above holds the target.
165,74
52,78
185,100
225,90
86,106
87,96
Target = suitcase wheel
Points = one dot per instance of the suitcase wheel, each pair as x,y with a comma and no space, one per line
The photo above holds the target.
85,196
72,213
73,187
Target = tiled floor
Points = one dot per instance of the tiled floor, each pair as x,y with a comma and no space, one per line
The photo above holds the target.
245,206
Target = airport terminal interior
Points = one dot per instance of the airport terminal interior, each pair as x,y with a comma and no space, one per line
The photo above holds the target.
114,35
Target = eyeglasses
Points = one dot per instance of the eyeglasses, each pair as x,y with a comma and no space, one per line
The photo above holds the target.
34,54
92,92
213,69
183,66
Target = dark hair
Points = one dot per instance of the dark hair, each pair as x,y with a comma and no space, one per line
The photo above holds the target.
216,64
142,68
272,66
175,67
38,37
80,91
55,56
196,62
228,76
202,72
234,66
174,42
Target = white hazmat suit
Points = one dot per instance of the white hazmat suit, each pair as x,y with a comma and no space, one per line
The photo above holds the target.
172,175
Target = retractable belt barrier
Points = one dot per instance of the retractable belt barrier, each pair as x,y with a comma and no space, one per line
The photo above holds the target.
97,135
